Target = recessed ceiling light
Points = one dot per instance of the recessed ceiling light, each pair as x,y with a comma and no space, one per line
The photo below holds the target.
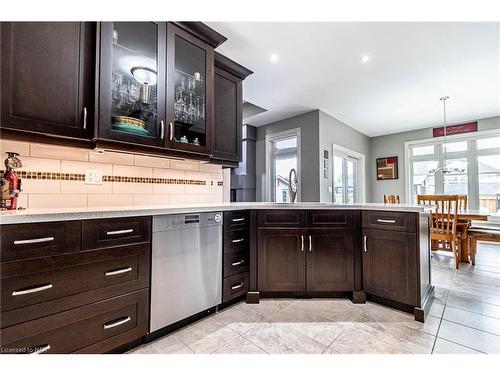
274,58
365,58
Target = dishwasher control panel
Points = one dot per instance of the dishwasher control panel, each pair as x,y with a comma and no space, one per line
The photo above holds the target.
169,222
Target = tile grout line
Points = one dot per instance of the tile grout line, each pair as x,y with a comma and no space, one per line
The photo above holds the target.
442,314
465,325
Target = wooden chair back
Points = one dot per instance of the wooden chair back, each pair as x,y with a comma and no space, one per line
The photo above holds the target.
462,202
391,199
443,217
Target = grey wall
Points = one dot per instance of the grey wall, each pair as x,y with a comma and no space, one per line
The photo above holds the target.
309,137
393,145
333,131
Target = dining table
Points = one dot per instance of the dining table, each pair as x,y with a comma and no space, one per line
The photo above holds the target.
467,216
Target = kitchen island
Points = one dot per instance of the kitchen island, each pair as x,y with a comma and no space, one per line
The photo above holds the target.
379,252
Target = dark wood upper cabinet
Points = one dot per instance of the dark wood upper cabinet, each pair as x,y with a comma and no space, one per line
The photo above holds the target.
281,260
390,265
330,260
189,95
228,101
48,77
132,83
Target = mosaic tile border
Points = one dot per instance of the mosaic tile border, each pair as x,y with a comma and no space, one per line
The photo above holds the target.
58,176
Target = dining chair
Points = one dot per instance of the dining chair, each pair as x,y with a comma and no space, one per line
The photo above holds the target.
391,198
443,221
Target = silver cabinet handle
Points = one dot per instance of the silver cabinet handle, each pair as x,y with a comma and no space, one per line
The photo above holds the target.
162,129
116,323
302,243
310,244
32,290
171,131
364,244
43,349
34,240
386,221
238,219
118,272
84,118
238,263
238,240
237,286
122,231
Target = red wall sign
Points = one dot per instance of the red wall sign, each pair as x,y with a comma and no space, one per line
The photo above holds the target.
468,127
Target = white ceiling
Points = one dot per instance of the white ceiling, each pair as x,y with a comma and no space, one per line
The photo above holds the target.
412,65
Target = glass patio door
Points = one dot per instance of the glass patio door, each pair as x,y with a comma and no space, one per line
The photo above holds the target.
345,181
283,159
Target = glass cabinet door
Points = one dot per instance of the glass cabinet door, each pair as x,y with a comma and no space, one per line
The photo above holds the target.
190,86
134,90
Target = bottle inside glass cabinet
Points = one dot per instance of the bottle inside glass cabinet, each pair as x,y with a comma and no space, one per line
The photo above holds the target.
134,104
189,93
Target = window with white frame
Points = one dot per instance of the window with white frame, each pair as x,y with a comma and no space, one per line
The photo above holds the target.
474,162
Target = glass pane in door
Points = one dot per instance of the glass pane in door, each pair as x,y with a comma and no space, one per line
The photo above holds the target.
282,166
351,181
489,182
424,181
134,75
338,179
455,181
189,92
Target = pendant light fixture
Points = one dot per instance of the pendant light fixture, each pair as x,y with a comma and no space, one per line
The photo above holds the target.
444,168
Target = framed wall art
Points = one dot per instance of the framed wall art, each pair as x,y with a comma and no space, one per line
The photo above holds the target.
387,168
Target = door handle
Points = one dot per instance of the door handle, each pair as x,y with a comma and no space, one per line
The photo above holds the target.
310,244
116,323
84,118
118,272
34,240
364,244
32,290
162,129
171,131
302,243
122,231
386,221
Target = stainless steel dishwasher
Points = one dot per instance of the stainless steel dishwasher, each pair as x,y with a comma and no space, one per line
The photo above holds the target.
186,267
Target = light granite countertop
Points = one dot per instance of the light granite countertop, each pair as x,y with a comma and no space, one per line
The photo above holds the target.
79,213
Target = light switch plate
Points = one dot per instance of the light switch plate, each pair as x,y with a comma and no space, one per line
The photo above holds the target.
93,177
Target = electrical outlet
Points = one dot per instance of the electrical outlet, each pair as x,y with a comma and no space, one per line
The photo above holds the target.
93,177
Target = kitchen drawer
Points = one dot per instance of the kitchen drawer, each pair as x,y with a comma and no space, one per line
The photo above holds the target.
112,322
282,218
21,241
116,232
397,221
235,286
236,219
330,218
43,286
236,263
236,240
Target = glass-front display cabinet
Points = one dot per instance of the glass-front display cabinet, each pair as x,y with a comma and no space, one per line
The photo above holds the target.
132,82
190,65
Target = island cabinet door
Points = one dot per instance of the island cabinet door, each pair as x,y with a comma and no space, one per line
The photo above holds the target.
281,260
390,265
330,260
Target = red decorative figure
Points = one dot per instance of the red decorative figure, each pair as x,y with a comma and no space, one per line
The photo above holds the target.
11,184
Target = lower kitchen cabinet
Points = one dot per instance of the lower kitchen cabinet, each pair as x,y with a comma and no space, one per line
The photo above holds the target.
281,260
390,265
330,260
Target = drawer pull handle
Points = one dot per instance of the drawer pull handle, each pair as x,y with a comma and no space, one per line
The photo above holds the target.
386,221
117,323
235,264
43,349
122,231
237,286
310,244
32,290
238,240
364,244
34,240
118,272
238,220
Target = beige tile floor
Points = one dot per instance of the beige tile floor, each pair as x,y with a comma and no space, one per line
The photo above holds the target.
464,318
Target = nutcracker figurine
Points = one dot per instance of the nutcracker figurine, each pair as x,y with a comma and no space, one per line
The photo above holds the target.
11,184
